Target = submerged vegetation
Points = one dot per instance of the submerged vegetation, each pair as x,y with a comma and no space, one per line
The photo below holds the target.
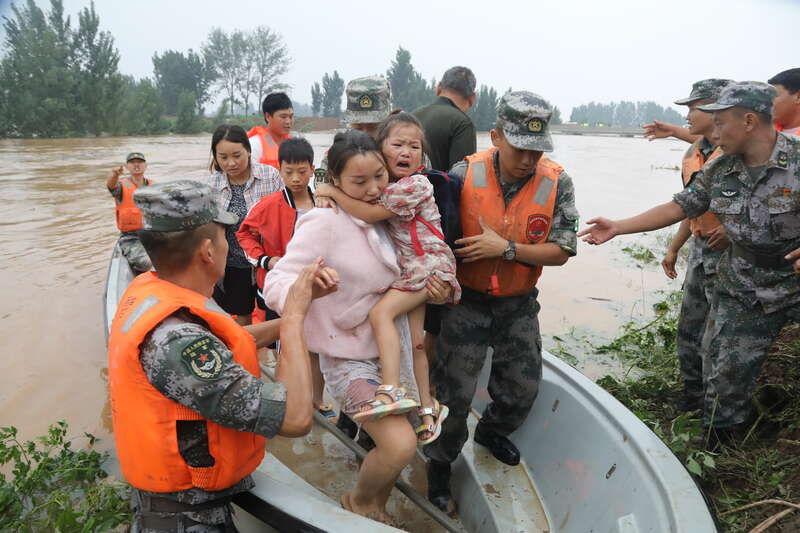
55,488
760,466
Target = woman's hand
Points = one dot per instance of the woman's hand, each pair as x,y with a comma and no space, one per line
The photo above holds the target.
439,292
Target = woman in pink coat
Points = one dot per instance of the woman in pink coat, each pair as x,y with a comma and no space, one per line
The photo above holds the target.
337,326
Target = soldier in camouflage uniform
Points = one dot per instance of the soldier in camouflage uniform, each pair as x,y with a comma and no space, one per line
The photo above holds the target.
227,394
754,189
128,242
708,242
506,323
369,102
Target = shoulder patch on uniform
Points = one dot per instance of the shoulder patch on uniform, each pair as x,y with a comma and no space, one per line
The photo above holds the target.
202,358
783,159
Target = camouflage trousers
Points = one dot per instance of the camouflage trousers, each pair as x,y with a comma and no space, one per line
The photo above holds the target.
131,247
510,326
147,518
737,339
698,293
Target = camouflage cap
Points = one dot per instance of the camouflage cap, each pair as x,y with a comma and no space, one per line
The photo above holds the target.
369,100
704,89
524,118
179,206
135,155
754,95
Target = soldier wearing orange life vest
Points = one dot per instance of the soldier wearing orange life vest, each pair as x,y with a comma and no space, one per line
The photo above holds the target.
191,416
709,241
265,140
128,216
518,215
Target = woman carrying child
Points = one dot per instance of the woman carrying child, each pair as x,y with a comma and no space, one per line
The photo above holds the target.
361,257
413,223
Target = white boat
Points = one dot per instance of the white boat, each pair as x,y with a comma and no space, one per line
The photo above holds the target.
588,465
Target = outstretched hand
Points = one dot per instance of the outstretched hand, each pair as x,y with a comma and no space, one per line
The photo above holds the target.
602,230
658,130
668,264
484,246
795,256
718,238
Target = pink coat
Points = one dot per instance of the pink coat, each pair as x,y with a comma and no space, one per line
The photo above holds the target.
337,324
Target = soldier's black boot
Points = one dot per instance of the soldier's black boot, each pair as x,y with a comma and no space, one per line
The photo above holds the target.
346,424
687,402
503,449
439,486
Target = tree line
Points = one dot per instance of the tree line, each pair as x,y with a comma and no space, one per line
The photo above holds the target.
623,113
410,91
60,78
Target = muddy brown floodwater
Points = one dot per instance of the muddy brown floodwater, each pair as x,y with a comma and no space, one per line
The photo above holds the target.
57,231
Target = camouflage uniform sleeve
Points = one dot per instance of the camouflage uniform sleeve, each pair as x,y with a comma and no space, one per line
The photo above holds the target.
188,364
116,192
695,198
459,171
565,216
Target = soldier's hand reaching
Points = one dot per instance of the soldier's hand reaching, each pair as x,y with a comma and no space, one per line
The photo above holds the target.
795,256
602,230
484,246
658,130
718,238
314,281
668,264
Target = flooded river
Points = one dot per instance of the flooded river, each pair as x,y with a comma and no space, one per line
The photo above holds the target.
57,231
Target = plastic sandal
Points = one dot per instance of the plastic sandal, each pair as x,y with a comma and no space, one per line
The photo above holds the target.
439,413
326,410
378,409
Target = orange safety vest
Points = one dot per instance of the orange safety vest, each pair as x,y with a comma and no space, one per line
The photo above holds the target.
693,161
526,220
269,148
129,218
145,420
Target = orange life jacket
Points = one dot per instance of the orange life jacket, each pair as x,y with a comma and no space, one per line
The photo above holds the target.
526,220
693,161
269,148
129,218
145,420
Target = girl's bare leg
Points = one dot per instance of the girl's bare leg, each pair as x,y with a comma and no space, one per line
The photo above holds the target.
393,304
416,319
395,445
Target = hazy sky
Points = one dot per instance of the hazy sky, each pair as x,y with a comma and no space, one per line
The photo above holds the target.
569,51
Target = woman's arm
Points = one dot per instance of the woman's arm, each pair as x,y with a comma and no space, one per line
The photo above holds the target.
370,213
248,236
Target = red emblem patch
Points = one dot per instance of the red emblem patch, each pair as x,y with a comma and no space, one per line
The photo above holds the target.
537,227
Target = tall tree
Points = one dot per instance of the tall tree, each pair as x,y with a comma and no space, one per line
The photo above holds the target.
409,88
100,84
218,54
556,117
484,112
176,72
332,90
316,99
141,109
270,60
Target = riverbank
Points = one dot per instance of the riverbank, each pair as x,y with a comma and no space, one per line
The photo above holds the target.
759,465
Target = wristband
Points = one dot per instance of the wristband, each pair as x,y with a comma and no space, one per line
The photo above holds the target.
263,262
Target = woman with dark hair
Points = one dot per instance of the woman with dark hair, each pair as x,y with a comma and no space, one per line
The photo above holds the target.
238,184
337,326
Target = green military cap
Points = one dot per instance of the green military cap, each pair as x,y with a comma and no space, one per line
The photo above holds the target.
369,100
524,118
179,206
704,89
135,155
754,95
